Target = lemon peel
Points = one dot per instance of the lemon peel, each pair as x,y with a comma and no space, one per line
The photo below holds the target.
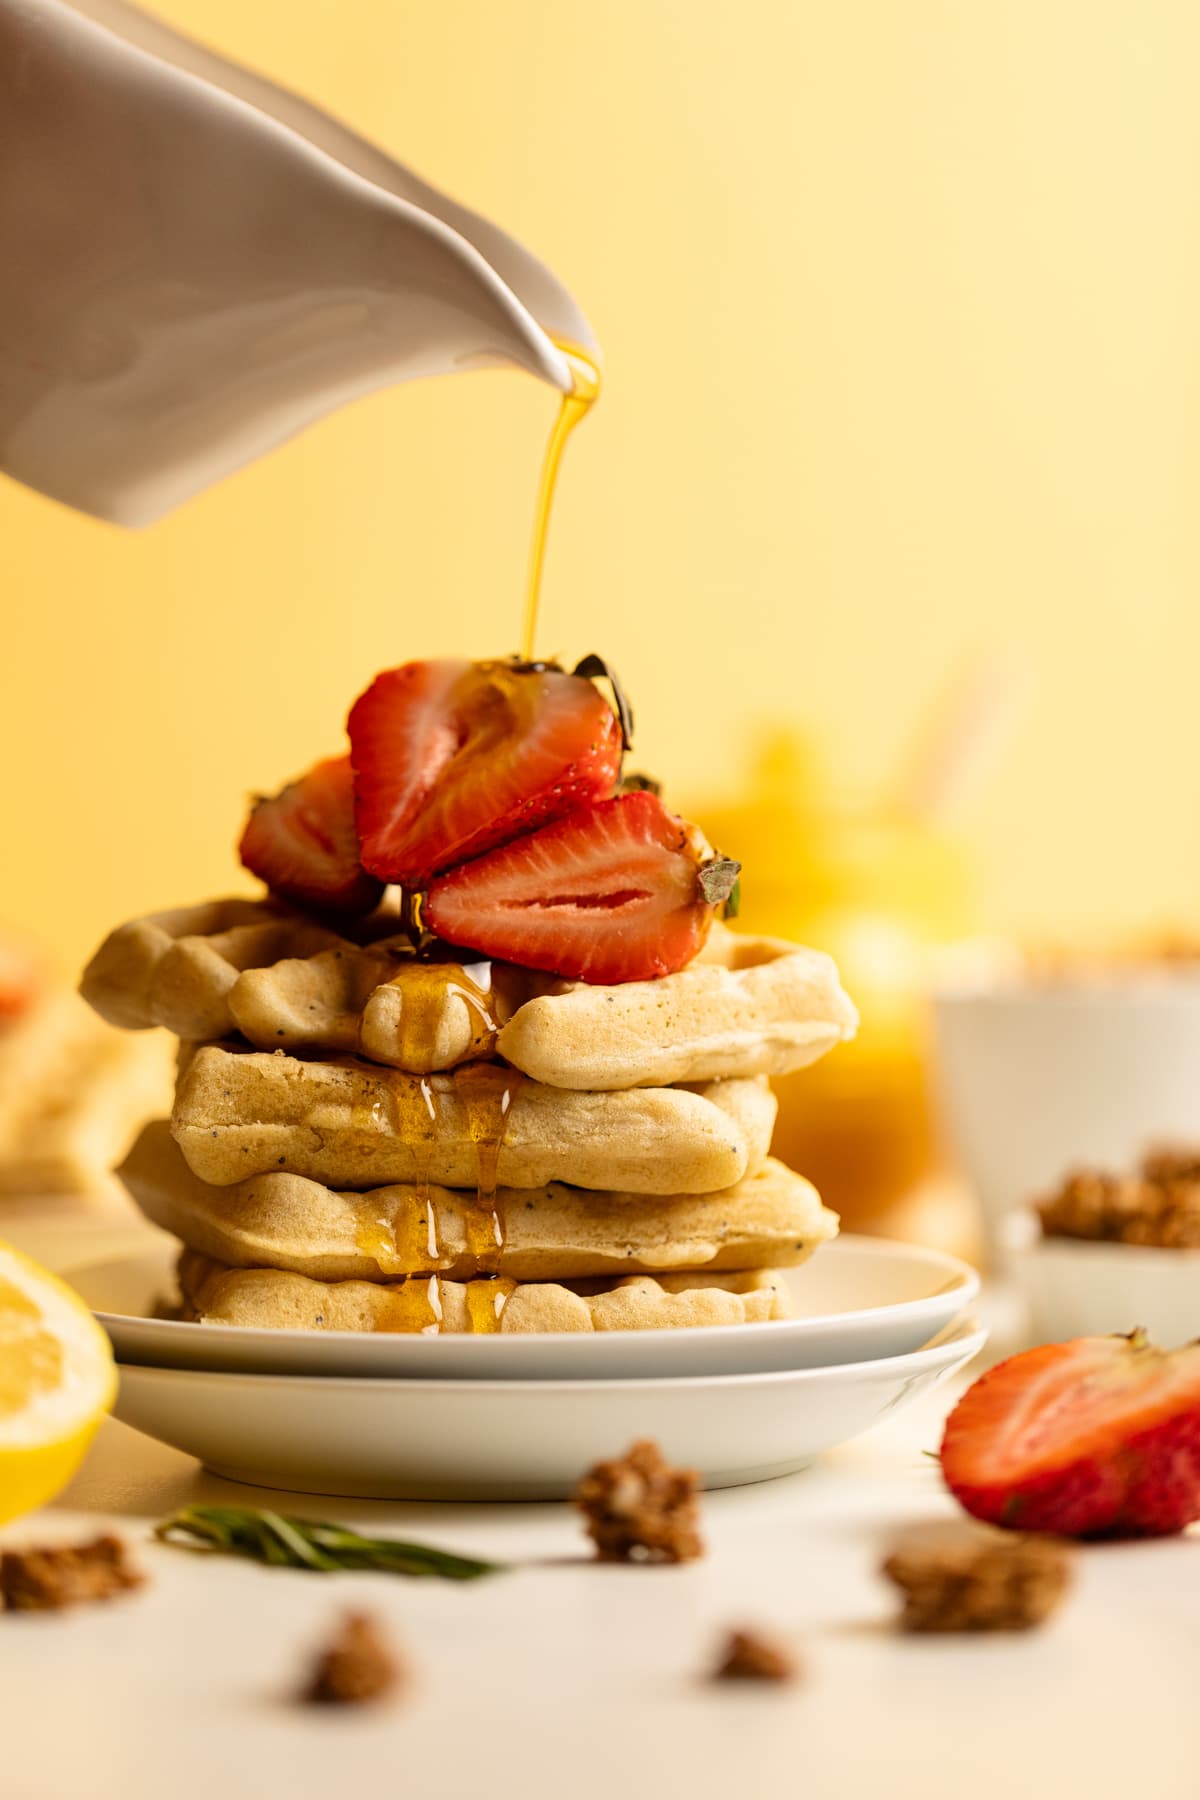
57,1381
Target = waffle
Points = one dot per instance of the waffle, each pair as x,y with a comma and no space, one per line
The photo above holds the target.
72,1093
176,969
228,966
353,1125
379,1003
746,1006
277,1300
283,1221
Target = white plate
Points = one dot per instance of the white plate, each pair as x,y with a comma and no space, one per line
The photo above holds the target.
516,1440
859,1298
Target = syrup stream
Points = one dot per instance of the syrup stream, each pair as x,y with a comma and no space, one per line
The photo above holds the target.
576,405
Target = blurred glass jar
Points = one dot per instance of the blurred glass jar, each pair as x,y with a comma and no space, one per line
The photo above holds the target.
880,893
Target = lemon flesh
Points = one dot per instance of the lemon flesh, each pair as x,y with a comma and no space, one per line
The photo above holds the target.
57,1381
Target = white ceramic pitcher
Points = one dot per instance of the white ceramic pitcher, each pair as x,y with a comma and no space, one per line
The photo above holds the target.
195,264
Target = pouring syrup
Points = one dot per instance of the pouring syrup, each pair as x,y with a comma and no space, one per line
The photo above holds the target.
573,407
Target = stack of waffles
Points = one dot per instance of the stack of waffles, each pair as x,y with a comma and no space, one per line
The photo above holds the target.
370,1136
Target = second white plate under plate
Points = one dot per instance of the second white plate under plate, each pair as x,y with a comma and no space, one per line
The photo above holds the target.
858,1299
517,1440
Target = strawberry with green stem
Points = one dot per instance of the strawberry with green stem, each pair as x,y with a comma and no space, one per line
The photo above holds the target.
454,758
1099,1437
622,891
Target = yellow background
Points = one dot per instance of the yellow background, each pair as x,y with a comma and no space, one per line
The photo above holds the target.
899,302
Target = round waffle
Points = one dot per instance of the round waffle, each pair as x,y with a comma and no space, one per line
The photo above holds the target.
275,1300
746,1006
354,1125
284,1221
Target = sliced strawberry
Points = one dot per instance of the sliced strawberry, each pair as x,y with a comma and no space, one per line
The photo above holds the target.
302,842
610,894
1099,1437
453,758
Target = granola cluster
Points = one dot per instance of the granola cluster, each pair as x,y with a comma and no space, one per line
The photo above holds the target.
974,1582
753,1656
639,1509
1158,1206
355,1667
56,1576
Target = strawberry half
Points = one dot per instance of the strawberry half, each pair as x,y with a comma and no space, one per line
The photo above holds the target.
302,842
452,758
1099,1437
611,894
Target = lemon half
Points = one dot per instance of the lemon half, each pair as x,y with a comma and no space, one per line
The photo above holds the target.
57,1381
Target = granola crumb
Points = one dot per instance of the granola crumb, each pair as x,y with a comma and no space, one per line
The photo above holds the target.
750,1655
1171,1162
974,1582
1158,1206
639,1509
356,1666
51,1577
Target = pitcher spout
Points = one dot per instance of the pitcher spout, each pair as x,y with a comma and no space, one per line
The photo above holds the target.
195,264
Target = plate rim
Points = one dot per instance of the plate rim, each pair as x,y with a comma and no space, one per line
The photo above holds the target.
962,1286
968,1338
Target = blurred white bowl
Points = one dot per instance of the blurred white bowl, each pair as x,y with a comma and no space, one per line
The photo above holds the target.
1039,1077
1073,1288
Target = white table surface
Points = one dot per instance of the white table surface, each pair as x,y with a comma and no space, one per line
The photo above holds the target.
567,1680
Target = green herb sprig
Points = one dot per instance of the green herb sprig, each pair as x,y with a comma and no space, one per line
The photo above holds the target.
283,1541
